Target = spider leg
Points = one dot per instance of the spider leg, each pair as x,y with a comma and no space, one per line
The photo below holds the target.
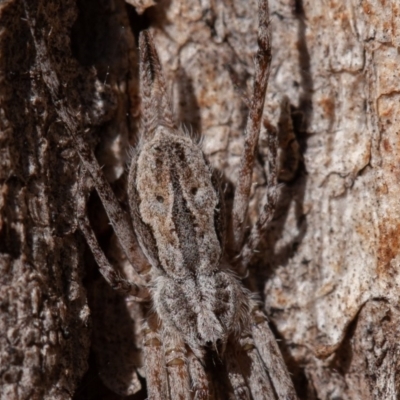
118,218
175,360
235,374
72,120
199,380
272,357
268,202
156,104
261,74
156,372
258,380
106,269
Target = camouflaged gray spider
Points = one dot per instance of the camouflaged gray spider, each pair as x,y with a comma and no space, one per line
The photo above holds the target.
187,265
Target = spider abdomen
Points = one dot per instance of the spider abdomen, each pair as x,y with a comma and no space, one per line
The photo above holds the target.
205,309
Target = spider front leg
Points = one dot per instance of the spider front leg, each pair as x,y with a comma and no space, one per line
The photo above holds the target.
271,356
118,218
246,370
261,74
156,372
257,377
167,370
107,270
235,375
242,193
268,202
175,359
199,380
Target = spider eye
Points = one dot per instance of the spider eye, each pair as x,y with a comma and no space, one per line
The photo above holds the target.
193,191
160,199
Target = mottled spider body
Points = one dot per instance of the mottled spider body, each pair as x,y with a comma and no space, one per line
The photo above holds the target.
183,254
178,213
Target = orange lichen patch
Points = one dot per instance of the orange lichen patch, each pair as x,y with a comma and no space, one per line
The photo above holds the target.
387,188
395,24
387,109
345,21
389,245
207,99
382,189
364,230
395,9
390,148
281,298
387,26
367,8
386,113
387,61
328,105
386,145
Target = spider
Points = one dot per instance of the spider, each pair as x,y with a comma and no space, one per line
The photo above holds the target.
188,260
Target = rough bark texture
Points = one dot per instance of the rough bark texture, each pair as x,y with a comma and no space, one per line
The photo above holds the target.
328,268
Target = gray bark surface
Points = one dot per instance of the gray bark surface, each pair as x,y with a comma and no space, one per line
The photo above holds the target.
327,270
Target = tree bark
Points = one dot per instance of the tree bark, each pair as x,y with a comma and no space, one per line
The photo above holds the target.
328,267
